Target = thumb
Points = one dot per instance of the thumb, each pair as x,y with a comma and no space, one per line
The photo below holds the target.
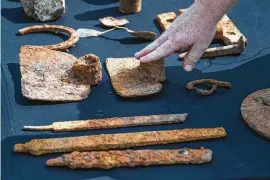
193,55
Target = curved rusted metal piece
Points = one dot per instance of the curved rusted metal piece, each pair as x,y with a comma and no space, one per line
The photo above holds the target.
74,37
212,82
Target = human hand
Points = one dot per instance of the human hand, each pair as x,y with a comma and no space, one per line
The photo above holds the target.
193,31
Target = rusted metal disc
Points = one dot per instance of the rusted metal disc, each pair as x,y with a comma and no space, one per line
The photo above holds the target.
256,111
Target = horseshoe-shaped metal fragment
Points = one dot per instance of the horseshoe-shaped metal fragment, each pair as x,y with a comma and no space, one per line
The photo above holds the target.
74,37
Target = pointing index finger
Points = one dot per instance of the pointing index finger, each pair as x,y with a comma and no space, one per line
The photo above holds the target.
151,47
164,50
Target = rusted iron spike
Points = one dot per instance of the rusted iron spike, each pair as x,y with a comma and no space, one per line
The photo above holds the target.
131,158
115,122
117,141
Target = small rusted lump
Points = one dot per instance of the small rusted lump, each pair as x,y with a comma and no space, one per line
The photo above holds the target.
89,69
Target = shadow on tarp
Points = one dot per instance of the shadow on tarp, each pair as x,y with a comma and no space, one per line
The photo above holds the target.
100,13
127,40
16,15
99,2
158,26
14,0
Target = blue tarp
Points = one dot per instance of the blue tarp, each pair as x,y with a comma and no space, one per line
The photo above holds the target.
242,154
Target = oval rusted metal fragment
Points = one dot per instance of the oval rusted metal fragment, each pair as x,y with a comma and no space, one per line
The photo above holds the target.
112,22
255,111
211,82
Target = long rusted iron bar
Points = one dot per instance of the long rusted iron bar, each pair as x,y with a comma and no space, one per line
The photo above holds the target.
115,122
116,141
131,158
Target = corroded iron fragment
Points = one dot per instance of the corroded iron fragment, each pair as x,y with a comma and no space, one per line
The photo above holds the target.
131,158
255,111
165,19
229,50
210,82
117,141
130,6
130,78
110,123
88,68
112,22
47,76
227,31
74,37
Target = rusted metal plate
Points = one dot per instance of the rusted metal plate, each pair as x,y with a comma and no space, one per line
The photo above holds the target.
130,78
256,111
47,76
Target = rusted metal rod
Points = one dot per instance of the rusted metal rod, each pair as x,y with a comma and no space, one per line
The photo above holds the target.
116,141
131,158
115,122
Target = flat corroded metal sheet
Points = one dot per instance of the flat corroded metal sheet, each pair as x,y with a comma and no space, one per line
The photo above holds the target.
242,154
256,111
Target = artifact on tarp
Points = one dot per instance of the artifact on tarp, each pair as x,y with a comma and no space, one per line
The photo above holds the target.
146,35
44,10
226,32
131,158
130,6
112,22
89,68
165,19
255,111
73,39
230,50
47,75
130,78
111,123
214,84
117,141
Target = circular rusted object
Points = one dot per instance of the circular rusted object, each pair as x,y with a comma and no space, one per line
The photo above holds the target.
211,82
255,110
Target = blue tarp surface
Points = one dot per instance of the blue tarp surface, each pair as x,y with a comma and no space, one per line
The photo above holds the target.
242,154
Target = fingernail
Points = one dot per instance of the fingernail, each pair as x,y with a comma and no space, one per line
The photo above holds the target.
136,54
188,67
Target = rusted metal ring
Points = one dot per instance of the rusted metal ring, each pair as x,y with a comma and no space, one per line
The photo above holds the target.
212,82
